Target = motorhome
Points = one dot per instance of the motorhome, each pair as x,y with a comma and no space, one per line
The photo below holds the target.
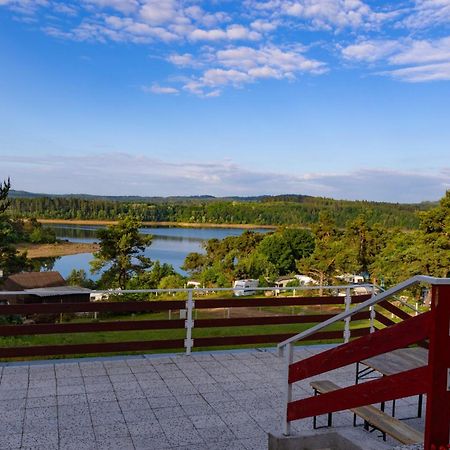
245,287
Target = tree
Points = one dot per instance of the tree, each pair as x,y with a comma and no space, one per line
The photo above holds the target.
321,264
10,260
121,252
283,249
435,236
79,278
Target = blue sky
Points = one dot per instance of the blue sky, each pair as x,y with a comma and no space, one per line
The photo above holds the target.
338,98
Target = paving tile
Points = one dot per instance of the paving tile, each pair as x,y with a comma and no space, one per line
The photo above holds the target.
169,413
40,402
14,394
12,404
138,415
151,442
42,438
76,443
162,402
134,404
105,432
105,396
73,399
108,418
145,428
219,433
117,443
207,421
10,441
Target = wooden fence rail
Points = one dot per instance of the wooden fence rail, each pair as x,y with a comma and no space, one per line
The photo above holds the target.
201,341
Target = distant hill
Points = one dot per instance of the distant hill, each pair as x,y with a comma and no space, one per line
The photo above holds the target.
289,209
295,198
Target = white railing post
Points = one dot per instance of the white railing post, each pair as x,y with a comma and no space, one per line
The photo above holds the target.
372,313
289,358
189,324
348,303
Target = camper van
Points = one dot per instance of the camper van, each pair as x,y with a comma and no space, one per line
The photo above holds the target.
245,287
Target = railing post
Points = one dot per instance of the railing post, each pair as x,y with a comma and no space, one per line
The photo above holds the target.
348,302
372,313
437,424
189,323
289,358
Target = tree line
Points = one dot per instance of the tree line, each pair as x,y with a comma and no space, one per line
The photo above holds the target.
280,210
383,255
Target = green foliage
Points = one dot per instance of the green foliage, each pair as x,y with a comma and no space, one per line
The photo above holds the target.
283,248
10,261
80,278
121,253
172,282
267,210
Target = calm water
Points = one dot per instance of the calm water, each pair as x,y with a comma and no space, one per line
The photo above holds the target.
169,245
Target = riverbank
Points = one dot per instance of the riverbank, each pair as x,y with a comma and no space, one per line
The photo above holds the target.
58,249
158,224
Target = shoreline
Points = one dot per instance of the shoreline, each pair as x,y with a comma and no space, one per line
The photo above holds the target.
58,249
157,224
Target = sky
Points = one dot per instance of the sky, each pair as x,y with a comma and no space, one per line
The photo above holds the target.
337,98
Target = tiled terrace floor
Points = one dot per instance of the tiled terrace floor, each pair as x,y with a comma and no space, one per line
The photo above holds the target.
211,401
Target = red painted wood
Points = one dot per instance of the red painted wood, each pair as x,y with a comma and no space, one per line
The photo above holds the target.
437,422
268,338
164,305
119,307
411,382
398,336
384,320
272,320
244,302
79,349
23,330
395,310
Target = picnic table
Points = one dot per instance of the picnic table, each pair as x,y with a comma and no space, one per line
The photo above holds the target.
391,363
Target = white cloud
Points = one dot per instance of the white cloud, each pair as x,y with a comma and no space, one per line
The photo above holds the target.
157,89
416,60
124,6
371,50
158,12
428,13
182,60
263,25
237,66
27,7
325,14
131,174
232,33
422,51
422,73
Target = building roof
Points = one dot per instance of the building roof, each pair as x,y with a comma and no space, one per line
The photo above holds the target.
32,280
57,291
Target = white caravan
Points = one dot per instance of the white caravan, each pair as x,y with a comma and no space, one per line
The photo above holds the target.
245,287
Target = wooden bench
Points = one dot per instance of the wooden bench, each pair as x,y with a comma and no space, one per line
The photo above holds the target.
375,417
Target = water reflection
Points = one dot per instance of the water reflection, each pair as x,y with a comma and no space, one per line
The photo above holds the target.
169,244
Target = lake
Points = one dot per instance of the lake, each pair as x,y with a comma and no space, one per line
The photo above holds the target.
169,245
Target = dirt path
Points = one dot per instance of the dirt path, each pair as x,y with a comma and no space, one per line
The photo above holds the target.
59,249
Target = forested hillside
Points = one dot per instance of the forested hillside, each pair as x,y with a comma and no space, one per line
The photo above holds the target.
266,210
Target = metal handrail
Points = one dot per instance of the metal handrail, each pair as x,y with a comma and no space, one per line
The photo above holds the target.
371,302
174,290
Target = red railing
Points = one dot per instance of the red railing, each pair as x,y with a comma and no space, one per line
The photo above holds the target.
432,379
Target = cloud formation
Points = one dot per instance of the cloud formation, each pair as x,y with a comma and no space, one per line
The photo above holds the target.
129,174
212,45
414,60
